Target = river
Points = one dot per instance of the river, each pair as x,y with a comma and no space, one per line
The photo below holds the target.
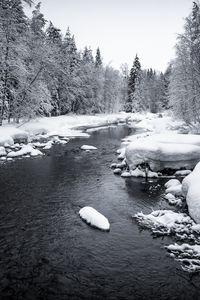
48,252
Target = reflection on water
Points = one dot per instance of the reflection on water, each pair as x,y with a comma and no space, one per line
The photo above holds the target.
47,252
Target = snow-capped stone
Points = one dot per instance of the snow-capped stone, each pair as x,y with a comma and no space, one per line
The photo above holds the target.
182,172
172,183
113,166
26,149
2,151
94,218
2,158
175,190
137,173
88,147
173,200
126,174
117,171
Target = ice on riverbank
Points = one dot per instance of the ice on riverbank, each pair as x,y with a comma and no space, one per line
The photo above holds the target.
94,218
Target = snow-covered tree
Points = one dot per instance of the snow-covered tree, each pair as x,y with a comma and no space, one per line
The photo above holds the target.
133,77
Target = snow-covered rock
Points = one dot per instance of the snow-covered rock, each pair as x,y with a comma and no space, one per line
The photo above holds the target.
26,149
191,189
113,166
48,145
175,190
187,255
2,151
172,183
137,173
117,171
182,172
173,200
126,174
88,147
165,222
94,218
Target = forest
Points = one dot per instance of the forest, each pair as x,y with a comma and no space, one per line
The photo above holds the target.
42,73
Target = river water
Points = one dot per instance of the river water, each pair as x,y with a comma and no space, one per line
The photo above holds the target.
48,252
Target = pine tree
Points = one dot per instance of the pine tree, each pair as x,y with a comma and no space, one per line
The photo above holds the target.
98,59
134,75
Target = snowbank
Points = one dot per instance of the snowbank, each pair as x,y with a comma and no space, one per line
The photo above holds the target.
172,151
191,190
94,218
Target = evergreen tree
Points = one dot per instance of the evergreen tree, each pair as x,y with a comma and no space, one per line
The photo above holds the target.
98,60
133,77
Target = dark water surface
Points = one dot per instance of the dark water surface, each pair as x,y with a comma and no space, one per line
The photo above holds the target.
48,252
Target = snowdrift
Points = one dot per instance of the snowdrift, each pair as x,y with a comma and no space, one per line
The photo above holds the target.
191,190
162,151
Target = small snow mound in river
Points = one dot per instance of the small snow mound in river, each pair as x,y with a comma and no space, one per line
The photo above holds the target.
88,147
94,218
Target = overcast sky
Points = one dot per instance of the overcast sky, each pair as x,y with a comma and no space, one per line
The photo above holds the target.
122,28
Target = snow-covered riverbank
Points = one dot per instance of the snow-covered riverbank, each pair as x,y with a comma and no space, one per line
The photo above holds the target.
31,138
161,145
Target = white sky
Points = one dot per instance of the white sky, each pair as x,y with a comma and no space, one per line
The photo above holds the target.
122,28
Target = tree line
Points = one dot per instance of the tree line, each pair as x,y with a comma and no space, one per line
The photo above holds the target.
43,72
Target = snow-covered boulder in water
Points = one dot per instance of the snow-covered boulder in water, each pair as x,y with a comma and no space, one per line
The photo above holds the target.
191,189
2,151
94,218
88,147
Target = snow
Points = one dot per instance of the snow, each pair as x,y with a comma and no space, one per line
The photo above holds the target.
175,190
191,190
26,149
88,147
160,153
168,222
182,172
113,165
44,132
173,200
2,151
94,218
172,183
126,174
117,171
187,255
